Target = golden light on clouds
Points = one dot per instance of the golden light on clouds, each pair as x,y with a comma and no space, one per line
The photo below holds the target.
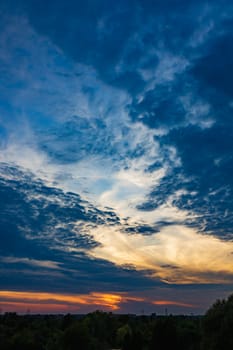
63,302
22,307
22,301
106,300
177,254
169,302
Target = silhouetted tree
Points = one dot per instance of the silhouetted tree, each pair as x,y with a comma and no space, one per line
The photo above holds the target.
188,334
164,335
76,337
24,339
218,326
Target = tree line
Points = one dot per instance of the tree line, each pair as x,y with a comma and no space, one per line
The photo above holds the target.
104,331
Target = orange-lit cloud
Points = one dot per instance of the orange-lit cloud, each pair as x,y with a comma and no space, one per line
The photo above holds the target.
105,300
169,302
41,302
23,307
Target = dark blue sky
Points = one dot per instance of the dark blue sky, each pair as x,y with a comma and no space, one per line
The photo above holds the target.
116,155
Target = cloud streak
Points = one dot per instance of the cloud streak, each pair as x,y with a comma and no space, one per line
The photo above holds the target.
38,302
47,264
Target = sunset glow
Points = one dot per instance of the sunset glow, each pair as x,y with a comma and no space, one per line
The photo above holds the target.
62,301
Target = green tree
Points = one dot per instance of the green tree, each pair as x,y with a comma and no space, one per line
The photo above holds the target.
123,334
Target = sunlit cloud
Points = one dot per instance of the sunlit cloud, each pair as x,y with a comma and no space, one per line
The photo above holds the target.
169,302
32,262
27,307
38,301
53,302
176,254
105,300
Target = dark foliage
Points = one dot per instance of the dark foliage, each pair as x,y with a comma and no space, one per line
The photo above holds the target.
218,326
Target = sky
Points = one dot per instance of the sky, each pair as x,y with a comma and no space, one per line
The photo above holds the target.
116,155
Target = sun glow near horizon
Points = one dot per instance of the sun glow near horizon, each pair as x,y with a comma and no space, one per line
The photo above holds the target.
23,302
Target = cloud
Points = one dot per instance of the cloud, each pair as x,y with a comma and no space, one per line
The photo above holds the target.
176,254
33,262
42,302
169,302
73,148
109,301
208,69
116,145
43,228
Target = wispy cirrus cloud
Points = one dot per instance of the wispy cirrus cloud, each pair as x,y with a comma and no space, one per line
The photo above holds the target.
33,262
